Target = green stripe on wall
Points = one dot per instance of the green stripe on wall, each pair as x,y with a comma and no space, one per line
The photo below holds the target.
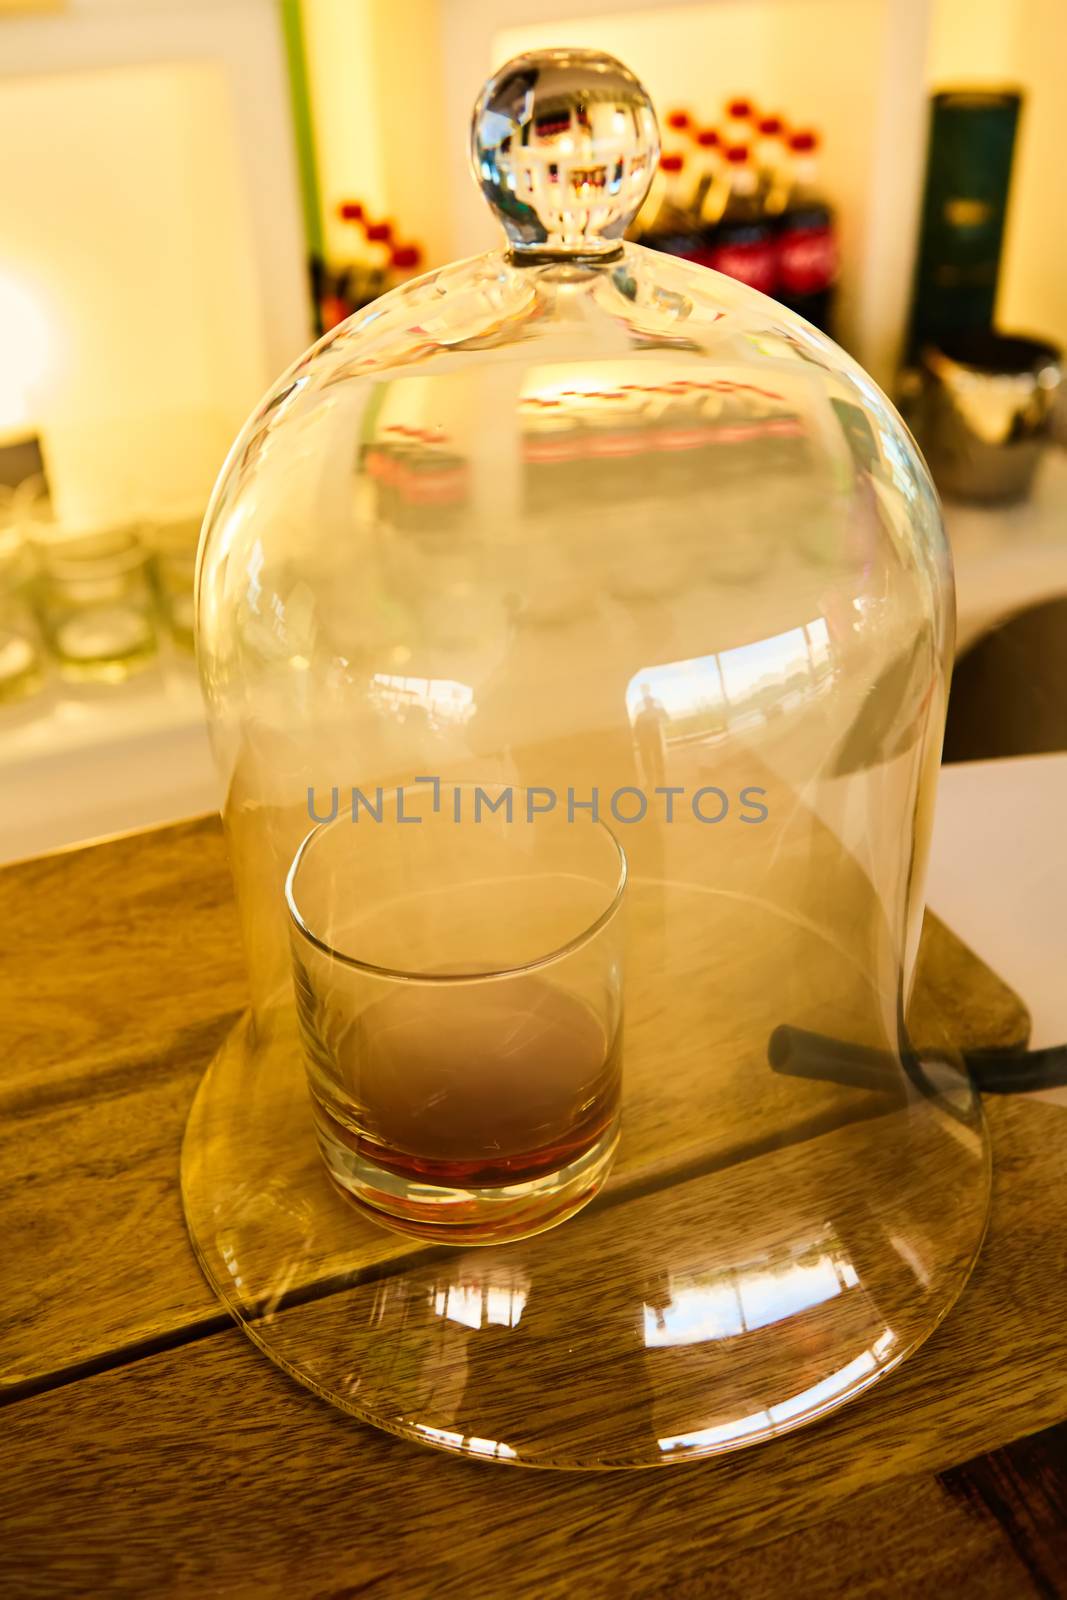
303,131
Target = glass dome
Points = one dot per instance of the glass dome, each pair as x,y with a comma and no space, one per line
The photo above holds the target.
582,520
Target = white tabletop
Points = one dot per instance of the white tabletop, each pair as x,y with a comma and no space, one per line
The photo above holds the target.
1009,557
998,877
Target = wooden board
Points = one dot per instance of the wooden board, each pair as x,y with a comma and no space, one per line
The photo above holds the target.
120,975
149,1449
113,1008
204,1470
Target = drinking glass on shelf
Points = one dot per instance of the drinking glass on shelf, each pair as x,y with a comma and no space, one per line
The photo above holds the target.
457,961
94,595
21,655
172,538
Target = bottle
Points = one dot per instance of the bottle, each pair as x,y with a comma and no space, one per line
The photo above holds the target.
643,222
742,243
404,263
339,288
379,257
357,282
380,233
740,127
807,241
718,191
772,165
710,169
672,227
677,131
968,173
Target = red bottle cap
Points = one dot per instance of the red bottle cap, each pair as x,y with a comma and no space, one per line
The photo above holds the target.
379,231
771,127
671,163
350,211
678,119
737,155
406,256
708,138
333,310
739,110
804,141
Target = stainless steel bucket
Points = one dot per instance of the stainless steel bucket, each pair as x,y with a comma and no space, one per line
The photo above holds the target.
985,412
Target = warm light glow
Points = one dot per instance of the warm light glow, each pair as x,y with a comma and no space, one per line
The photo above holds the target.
24,352
131,325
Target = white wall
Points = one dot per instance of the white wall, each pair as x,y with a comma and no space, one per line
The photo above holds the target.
377,101
127,228
152,226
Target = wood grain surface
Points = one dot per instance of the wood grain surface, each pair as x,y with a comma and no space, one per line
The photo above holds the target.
149,1449
204,1470
121,973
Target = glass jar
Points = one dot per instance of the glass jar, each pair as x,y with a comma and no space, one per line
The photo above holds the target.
22,669
172,539
95,600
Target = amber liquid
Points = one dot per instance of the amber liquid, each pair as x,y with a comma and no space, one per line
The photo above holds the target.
480,1085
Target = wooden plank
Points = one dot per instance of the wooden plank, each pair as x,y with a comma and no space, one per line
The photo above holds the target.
121,973
107,955
958,1001
569,1352
698,1097
113,1008
1021,1489
205,1470
903,1542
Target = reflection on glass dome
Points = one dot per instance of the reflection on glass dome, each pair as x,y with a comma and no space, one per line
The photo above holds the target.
585,519
724,1305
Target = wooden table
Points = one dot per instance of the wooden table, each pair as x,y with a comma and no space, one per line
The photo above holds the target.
148,1449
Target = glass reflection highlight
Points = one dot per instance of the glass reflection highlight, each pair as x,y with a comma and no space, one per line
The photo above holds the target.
441,700
808,1404
450,1440
481,1305
725,1305
701,700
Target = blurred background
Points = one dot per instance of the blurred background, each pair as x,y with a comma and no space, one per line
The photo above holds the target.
192,190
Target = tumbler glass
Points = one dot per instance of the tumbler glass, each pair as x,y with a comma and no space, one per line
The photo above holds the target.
21,656
172,538
96,603
457,956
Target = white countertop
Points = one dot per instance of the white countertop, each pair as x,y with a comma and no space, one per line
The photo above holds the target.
1009,557
84,763
88,764
998,877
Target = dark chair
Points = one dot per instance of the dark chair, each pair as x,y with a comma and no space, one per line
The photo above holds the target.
1009,690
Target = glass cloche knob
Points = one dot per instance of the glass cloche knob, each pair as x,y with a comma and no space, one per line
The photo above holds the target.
564,144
